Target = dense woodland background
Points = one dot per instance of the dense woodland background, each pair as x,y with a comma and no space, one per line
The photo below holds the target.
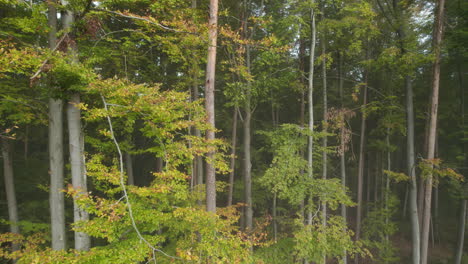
253,131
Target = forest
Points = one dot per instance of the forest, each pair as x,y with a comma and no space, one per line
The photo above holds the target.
233,131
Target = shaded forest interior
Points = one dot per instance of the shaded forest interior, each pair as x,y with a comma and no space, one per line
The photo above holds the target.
250,131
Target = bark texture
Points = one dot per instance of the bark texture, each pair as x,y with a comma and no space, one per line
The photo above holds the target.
410,158
232,164
10,189
437,40
56,198
210,103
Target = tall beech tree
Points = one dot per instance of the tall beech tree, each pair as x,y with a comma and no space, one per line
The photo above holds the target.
435,84
210,103
57,203
76,138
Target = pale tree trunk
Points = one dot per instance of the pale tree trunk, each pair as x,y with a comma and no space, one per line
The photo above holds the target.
210,103
82,240
273,211
342,146
311,104
10,189
129,166
461,230
57,205
411,166
325,124
387,179
75,137
303,102
361,168
247,134
198,162
247,165
438,31
461,233
233,157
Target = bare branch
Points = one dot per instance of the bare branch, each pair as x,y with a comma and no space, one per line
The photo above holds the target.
124,188
132,16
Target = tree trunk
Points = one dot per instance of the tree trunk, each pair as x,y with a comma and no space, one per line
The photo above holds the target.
324,140
82,240
361,169
129,166
10,189
411,167
247,167
247,133
233,157
387,178
75,137
437,40
461,233
210,103
57,205
311,104
342,146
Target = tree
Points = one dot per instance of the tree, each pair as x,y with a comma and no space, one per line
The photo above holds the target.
437,42
57,203
210,103
10,187
76,140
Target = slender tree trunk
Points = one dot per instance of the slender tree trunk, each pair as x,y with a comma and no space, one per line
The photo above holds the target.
462,225
311,104
387,179
233,157
10,189
438,31
57,205
129,166
82,240
198,162
411,167
361,169
325,124
461,233
247,132
342,145
247,166
303,102
210,103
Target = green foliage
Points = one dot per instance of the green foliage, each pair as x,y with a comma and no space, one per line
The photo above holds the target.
378,227
315,240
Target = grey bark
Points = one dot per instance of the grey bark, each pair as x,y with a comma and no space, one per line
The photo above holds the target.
56,199
311,104
82,240
461,233
210,103
247,134
247,165
325,121
387,178
437,40
233,157
75,137
342,142
10,189
411,166
361,169
198,162
129,167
